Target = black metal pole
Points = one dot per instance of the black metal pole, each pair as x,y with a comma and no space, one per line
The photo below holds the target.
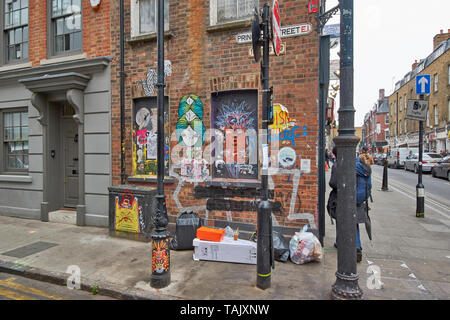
420,189
160,277
324,78
264,243
346,285
122,93
385,176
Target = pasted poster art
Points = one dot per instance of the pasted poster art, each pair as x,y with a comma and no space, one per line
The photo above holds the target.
160,256
235,114
145,136
127,213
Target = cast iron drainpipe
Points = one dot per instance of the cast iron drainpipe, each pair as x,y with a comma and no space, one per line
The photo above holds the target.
122,95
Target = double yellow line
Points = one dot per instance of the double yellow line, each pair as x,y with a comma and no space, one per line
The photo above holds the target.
23,291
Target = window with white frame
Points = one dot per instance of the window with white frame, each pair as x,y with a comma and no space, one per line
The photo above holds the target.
400,127
405,101
406,125
223,11
15,30
436,79
14,140
400,103
387,119
428,118
144,16
436,114
66,26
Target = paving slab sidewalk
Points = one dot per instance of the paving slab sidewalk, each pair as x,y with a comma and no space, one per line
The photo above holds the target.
413,261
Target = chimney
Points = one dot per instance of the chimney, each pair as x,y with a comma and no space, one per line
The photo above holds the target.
440,37
381,94
414,65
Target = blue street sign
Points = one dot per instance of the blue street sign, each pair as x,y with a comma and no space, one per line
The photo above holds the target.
423,84
332,30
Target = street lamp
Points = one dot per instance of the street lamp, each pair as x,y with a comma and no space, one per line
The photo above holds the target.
346,285
160,277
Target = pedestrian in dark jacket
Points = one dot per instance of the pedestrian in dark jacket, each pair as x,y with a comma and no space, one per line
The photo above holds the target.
363,189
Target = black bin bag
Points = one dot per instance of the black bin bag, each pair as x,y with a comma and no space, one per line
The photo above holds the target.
186,231
280,247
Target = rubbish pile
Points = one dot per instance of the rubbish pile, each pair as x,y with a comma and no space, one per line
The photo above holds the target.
217,244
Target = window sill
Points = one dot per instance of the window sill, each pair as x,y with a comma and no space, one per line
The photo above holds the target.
9,67
147,37
149,179
64,58
15,178
238,24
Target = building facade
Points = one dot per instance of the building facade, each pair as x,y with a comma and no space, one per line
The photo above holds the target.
55,110
376,125
214,110
404,132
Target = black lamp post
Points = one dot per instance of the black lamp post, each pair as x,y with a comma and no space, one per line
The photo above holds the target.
160,277
346,285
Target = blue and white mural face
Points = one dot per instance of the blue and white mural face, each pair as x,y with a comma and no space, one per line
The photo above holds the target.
190,128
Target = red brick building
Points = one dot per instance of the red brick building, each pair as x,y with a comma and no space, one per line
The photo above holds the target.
213,85
376,125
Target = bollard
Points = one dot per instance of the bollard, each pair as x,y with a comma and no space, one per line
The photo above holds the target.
385,176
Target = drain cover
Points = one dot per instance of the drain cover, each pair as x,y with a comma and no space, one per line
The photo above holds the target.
30,249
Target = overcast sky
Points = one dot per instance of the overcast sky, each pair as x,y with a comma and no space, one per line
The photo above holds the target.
388,36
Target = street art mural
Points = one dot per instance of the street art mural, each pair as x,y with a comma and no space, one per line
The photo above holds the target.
145,134
235,114
148,84
128,214
190,133
281,118
160,256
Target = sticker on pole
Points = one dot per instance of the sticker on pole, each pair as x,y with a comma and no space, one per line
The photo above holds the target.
276,27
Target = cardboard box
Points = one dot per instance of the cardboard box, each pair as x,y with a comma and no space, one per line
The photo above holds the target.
228,250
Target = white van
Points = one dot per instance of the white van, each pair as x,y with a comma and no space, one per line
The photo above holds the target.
397,156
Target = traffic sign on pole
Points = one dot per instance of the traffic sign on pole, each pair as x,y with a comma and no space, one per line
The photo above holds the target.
276,27
423,84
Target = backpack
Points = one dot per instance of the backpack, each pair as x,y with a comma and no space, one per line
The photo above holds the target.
363,181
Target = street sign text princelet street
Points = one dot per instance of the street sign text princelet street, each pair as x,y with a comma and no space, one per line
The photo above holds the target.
286,32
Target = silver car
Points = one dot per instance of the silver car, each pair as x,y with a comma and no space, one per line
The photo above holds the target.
429,160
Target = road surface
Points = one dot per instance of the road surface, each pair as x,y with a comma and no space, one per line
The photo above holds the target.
437,190
13,287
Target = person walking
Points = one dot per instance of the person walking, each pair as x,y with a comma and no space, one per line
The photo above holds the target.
327,157
366,157
363,193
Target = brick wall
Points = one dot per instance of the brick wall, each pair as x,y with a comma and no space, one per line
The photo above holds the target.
96,30
206,60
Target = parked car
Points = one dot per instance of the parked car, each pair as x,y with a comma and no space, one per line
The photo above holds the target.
429,160
397,156
442,169
375,157
380,159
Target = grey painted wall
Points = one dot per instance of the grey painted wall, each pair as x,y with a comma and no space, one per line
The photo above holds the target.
23,199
